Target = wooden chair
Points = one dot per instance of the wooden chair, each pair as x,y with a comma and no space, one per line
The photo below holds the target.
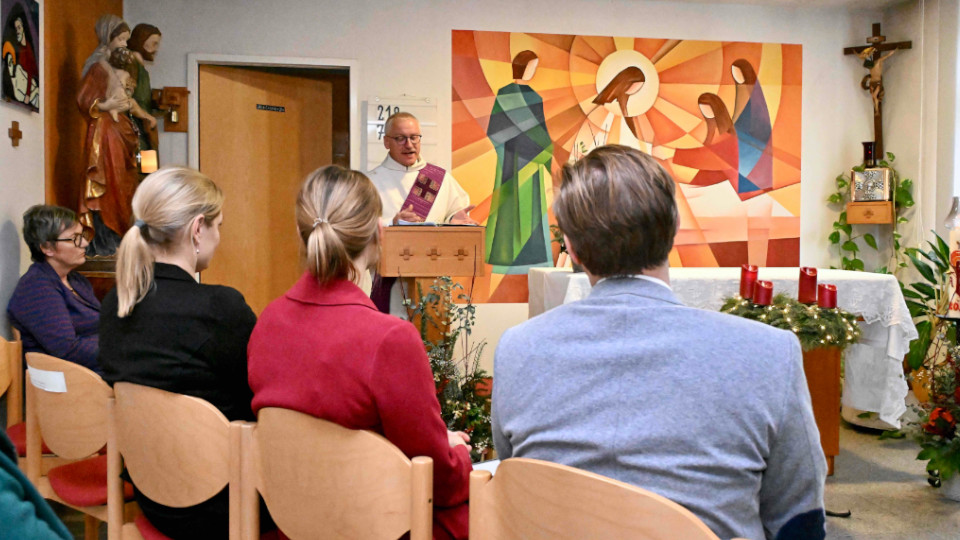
11,379
73,423
179,451
532,500
321,480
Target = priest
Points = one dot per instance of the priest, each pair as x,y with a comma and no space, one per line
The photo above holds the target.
413,190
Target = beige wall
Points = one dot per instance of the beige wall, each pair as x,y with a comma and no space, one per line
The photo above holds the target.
21,185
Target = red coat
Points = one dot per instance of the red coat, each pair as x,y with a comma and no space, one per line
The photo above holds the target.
326,351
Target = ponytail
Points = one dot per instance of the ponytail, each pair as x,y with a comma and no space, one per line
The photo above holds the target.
338,211
164,205
134,270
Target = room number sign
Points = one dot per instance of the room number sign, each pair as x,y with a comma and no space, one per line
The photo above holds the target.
379,108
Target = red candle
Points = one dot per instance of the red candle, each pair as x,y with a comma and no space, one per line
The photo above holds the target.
827,295
763,293
748,275
807,293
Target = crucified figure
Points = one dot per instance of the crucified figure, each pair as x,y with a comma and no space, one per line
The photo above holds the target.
873,81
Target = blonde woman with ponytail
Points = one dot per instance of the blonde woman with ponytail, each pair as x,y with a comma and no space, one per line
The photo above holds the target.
324,349
162,328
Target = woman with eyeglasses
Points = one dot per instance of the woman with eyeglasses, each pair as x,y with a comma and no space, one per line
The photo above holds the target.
53,306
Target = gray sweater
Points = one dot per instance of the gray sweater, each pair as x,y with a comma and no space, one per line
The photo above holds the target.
709,410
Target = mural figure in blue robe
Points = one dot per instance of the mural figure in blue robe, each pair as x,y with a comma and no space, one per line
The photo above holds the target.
751,119
518,235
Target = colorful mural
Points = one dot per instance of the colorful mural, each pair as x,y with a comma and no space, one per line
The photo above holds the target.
722,117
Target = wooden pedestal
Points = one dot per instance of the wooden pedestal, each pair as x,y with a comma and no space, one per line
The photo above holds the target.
822,369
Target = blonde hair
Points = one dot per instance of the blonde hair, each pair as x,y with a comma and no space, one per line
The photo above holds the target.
338,213
164,205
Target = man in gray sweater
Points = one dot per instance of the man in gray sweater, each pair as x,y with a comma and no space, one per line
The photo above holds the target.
709,410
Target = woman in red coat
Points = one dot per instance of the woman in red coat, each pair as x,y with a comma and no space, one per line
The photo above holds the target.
324,349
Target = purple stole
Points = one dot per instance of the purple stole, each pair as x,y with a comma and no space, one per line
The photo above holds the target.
425,189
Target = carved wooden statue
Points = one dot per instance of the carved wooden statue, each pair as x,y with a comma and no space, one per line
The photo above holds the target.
873,58
110,173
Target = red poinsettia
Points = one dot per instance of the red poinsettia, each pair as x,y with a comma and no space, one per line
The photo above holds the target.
941,423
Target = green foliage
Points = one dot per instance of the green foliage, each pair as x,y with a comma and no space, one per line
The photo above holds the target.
936,429
926,299
850,245
556,235
462,386
813,325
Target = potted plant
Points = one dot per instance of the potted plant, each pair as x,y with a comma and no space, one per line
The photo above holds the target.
936,428
926,299
445,317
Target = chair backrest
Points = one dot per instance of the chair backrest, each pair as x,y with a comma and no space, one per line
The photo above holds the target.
532,499
179,450
321,480
11,377
72,414
175,447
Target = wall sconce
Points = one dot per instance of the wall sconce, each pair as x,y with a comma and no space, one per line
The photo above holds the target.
173,101
147,160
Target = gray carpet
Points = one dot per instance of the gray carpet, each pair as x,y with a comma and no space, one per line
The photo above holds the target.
885,488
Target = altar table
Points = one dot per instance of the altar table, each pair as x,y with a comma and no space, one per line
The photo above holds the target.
873,368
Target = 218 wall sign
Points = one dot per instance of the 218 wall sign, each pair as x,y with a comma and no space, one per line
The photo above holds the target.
384,112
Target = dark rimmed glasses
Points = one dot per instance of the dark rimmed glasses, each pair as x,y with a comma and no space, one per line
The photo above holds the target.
402,139
78,238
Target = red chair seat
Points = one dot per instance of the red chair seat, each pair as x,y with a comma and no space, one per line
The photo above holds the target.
18,434
84,483
147,530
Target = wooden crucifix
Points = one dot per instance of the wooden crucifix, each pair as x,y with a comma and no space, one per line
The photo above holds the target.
14,133
873,55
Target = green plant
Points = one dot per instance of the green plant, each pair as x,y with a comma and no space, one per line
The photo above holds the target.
556,235
850,244
926,299
936,429
813,325
462,385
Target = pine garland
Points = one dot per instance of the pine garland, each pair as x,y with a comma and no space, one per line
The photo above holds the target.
813,325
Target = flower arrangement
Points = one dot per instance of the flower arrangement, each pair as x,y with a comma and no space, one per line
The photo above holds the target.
463,388
936,428
814,326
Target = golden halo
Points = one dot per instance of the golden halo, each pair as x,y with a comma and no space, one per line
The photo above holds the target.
616,62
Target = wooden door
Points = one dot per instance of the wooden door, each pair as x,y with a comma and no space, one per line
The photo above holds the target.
261,132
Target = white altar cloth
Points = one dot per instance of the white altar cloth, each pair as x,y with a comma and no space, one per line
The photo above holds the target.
873,369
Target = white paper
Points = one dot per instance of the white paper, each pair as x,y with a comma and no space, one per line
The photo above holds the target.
489,465
49,381
417,223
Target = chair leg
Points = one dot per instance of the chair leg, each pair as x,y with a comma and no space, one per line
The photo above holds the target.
91,528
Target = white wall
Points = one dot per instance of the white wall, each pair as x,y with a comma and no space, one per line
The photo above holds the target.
403,46
21,185
920,107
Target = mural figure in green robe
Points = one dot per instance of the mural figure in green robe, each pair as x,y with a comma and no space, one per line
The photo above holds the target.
518,235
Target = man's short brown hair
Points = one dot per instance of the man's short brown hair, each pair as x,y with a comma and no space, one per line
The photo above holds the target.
617,207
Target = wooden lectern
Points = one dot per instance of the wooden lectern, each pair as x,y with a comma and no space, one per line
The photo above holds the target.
418,254
424,251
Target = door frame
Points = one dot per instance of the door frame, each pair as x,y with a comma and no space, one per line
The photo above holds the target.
194,60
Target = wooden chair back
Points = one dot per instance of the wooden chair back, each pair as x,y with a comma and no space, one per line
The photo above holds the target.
11,377
321,480
179,450
73,423
533,500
